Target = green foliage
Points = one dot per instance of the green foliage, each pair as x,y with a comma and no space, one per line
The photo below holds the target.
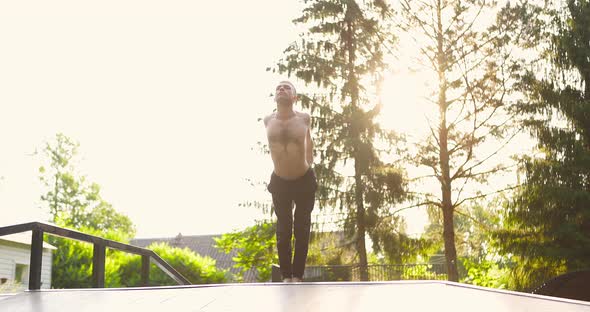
71,200
74,203
486,274
397,247
72,261
197,269
474,223
255,248
419,272
547,224
330,248
72,265
528,273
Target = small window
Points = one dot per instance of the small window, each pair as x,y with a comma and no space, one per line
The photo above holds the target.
21,272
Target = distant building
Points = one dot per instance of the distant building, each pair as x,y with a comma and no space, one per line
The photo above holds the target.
203,245
15,257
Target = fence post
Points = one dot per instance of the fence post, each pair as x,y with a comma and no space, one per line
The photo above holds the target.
98,261
36,260
145,271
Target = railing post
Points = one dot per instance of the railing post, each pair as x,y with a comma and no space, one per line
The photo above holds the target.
98,261
36,260
145,270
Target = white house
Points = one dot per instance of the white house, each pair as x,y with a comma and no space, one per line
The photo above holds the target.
15,257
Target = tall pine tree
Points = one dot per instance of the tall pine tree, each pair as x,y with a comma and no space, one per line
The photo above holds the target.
548,222
342,54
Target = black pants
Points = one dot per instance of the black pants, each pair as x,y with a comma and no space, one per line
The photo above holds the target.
285,193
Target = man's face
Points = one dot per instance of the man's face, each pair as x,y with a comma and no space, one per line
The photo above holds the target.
285,92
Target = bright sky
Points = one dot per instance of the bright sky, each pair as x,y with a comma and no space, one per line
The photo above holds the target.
164,98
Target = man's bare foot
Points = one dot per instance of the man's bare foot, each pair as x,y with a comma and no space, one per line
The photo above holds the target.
287,280
297,280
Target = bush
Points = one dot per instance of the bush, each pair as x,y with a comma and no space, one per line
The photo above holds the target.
72,265
72,262
486,274
255,248
195,268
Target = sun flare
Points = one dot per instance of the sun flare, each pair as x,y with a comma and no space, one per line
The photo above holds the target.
405,108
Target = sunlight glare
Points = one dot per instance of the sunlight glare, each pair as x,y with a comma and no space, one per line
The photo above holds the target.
404,106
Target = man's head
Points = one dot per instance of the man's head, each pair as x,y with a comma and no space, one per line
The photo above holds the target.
285,93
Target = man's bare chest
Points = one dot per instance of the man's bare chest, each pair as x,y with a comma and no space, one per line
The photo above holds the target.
285,132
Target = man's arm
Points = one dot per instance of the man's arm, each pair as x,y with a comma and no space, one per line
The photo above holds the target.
309,151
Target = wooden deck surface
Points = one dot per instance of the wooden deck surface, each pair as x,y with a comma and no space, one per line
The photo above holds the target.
384,296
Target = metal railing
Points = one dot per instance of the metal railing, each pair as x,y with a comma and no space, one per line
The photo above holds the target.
99,253
376,272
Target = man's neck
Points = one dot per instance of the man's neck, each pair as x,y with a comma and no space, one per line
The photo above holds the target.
285,111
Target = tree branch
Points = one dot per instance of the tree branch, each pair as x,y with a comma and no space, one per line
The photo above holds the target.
483,195
495,152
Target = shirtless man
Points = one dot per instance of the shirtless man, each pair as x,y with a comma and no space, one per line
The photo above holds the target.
292,181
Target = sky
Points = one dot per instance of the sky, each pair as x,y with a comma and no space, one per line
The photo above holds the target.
164,98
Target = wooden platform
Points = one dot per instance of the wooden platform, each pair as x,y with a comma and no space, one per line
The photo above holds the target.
384,296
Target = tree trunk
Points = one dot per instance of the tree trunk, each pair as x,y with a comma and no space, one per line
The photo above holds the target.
447,204
358,168
54,209
450,251
445,179
360,226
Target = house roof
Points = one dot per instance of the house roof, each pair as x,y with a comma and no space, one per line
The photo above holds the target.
25,239
203,245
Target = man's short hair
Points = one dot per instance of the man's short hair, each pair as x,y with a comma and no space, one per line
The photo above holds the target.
292,86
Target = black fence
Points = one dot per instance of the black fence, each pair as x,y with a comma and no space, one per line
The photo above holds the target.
376,272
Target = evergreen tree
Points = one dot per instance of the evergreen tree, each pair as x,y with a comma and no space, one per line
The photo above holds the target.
548,221
342,54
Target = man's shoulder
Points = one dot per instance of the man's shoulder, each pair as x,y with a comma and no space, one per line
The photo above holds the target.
268,117
303,115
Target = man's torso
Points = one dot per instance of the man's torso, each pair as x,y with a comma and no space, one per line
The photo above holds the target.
287,143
